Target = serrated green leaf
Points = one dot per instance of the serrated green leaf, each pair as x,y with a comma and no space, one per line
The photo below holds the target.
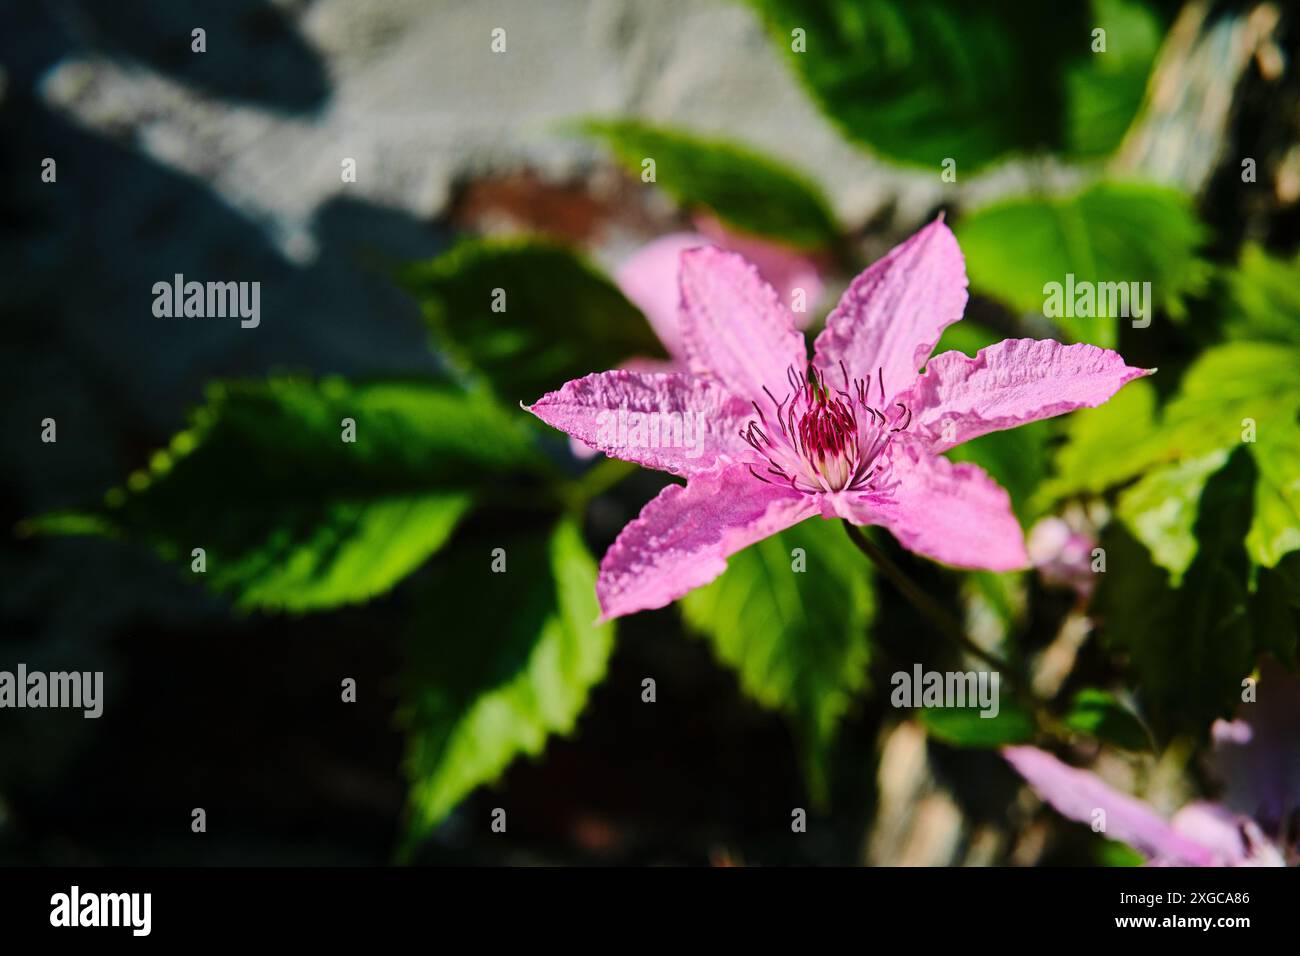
1204,625
796,639
502,661
745,189
1239,394
1275,530
561,318
1229,387
1160,509
1264,298
290,516
923,80
1097,713
1109,232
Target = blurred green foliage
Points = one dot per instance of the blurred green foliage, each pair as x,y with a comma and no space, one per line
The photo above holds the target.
968,727
523,316
921,81
1099,714
748,191
1108,232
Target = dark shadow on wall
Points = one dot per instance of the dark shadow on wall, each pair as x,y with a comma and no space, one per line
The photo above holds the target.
78,260
252,52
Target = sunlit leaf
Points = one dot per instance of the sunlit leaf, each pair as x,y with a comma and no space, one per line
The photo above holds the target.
1105,445
1236,395
1264,297
1161,507
1109,236
501,661
290,515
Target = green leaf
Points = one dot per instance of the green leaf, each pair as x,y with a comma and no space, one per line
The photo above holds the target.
1228,387
745,189
290,515
1240,394
965,727
796,639
1099,714
924,80
1204,626
1264,297
1105,445
1161,509
1105,90
1275,531
502,661
1110,232
559,318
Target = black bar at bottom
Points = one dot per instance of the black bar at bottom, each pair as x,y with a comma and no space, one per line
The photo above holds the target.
334,906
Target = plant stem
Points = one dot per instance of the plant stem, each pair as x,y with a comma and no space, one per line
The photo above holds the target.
948,625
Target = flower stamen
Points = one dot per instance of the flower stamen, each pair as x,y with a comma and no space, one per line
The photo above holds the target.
830,438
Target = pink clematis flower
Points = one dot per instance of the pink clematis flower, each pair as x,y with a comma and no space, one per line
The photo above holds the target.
1256,756
855,434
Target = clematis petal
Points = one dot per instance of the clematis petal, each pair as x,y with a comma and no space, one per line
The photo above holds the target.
1237,840
890,317
649,280
1010,383
668,421
1078,795
649,276
1215,828
682,538
954,513
734,326
785,269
